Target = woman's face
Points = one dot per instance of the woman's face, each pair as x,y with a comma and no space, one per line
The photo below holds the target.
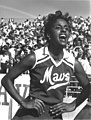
59,33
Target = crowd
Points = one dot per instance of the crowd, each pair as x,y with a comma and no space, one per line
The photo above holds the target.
19,39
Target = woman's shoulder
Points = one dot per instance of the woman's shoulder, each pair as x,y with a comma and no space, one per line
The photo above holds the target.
69,59
69,56
41,53
29,59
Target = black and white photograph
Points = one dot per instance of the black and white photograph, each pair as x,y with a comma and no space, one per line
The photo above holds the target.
45,59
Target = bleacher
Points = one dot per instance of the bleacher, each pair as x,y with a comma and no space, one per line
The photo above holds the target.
74,88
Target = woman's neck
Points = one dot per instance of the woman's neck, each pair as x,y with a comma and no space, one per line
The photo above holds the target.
56,53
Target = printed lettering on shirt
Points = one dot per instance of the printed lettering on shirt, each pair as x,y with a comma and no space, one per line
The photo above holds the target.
55,78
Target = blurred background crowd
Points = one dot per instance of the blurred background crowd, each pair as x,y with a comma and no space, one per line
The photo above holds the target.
18,39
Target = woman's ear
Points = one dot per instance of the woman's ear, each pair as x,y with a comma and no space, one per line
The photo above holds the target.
48,36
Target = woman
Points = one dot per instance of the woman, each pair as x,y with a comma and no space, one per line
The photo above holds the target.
50,70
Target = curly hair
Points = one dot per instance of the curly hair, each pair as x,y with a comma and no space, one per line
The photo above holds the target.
51,18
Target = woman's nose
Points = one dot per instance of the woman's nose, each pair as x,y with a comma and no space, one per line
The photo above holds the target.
63,29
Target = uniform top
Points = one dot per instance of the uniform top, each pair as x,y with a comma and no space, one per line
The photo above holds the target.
50,79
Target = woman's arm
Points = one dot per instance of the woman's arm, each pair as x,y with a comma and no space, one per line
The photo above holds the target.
84,82
8,80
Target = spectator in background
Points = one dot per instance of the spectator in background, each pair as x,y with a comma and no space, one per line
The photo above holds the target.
89,76
89,60
4,60
85,64
89,67
50,70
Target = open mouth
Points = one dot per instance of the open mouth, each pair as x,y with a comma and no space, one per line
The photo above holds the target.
62,36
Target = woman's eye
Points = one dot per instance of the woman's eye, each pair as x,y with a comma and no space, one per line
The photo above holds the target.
57,27
66,28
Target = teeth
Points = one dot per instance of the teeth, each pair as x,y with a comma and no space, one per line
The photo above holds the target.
62,36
